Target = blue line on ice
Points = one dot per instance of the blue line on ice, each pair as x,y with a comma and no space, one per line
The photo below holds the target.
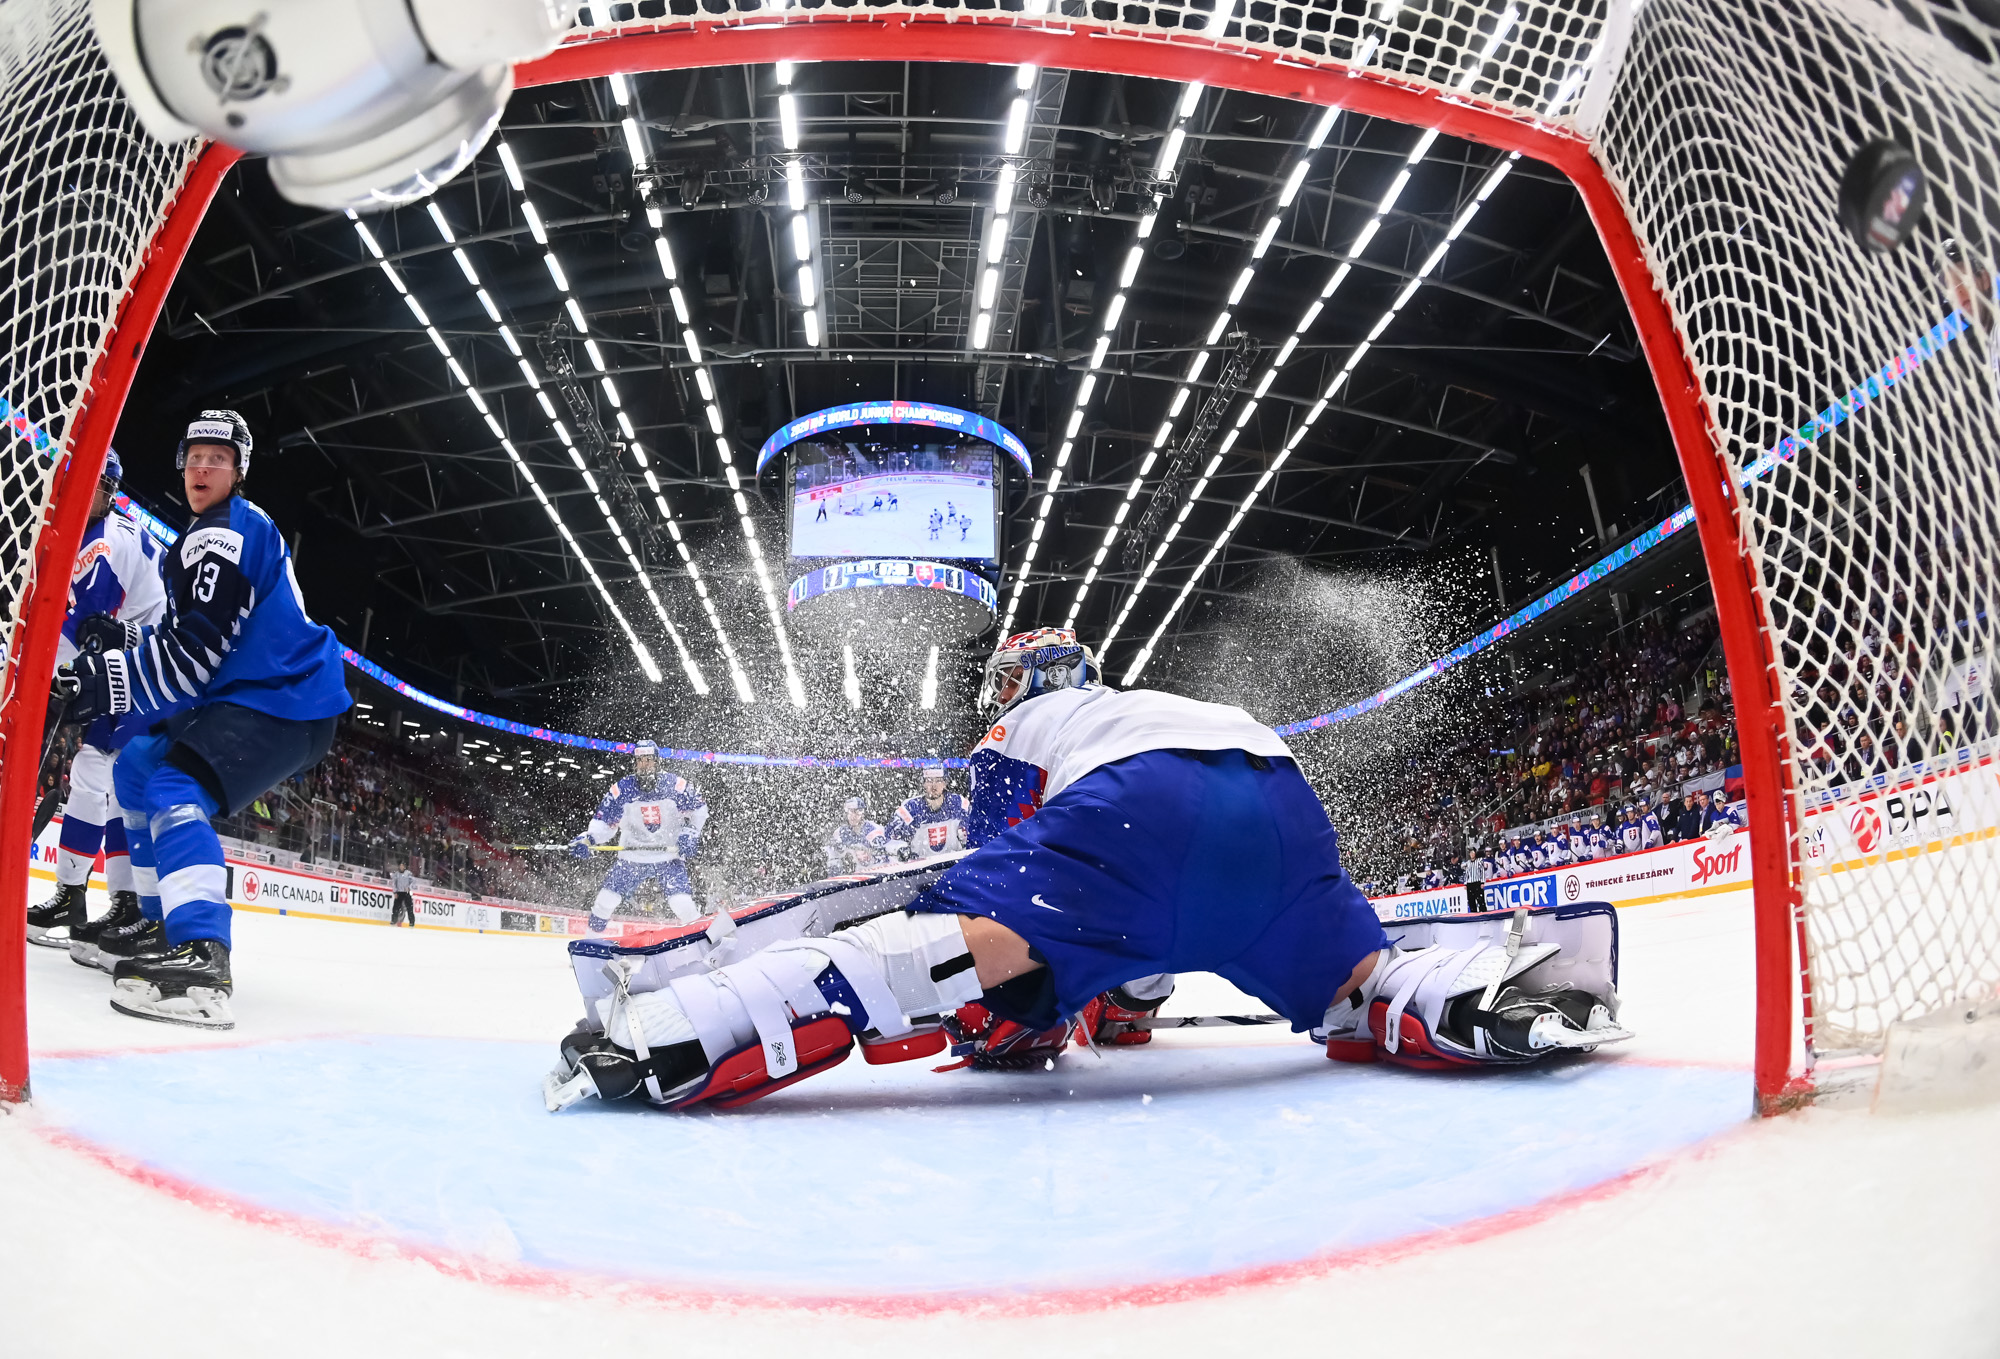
887,1179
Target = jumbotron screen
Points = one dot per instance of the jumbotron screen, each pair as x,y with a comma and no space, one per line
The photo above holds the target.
858,496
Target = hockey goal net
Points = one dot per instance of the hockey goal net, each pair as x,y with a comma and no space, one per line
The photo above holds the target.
1834,411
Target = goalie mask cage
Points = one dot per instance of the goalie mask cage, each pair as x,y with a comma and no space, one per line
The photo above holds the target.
1834,411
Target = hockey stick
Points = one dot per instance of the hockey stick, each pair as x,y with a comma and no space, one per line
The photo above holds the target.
65,689
1204,1021
567,848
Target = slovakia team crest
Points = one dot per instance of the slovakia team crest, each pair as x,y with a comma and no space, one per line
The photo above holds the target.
937,836
651,816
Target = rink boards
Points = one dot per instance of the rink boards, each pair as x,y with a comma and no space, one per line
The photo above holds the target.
270,889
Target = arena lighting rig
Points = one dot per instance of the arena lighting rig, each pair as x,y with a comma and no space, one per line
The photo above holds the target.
1872,388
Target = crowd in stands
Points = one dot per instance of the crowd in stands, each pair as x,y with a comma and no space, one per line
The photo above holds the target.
374,804
1596,755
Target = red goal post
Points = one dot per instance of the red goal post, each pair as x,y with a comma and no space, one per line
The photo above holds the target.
1679,122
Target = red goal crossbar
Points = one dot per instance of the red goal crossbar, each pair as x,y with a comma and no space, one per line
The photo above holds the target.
1002,39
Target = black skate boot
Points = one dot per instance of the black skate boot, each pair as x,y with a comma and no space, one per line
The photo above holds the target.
124,910
55,922
188,984
134,939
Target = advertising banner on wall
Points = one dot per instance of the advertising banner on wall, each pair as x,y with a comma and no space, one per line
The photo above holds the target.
1689,869
271,890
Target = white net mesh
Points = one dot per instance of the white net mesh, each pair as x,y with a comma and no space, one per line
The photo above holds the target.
1876,533
82,190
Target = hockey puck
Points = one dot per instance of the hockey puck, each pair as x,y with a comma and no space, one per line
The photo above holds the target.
1882,196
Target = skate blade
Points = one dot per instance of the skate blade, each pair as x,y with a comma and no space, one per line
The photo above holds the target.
48,938
201,1008
90,955
561,1088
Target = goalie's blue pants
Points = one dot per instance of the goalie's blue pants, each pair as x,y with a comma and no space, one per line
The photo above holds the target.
1173,861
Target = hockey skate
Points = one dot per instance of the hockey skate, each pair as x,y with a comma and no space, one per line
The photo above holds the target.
55,922
134,937
188,985
1485,990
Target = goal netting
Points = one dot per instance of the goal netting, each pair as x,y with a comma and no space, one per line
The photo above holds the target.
1845,401
1853,398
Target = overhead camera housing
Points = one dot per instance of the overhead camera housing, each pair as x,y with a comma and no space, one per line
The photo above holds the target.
358,104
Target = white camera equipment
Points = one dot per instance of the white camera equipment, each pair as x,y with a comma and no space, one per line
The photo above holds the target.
360,104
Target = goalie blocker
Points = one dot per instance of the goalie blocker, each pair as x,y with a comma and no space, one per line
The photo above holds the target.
784,990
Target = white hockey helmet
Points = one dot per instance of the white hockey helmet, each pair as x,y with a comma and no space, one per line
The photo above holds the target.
1033,663
217,427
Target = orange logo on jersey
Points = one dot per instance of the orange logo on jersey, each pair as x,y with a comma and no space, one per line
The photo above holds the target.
998,734
89,558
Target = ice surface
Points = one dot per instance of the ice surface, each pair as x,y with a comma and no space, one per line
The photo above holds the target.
349,1100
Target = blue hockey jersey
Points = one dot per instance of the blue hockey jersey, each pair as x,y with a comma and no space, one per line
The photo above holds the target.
233,571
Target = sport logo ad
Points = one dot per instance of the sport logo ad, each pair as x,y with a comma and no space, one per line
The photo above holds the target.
1709,865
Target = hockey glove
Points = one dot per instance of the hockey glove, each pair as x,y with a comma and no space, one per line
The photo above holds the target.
100,632
101,688
580,847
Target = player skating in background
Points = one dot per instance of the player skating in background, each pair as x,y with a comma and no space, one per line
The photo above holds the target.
114,590
1134,834
855,842
236,690
931,823
658,819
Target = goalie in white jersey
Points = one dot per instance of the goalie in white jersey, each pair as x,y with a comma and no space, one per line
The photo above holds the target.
657,819
1119,836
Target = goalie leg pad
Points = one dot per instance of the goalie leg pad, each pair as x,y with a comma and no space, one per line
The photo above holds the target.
779,1004
1426,1004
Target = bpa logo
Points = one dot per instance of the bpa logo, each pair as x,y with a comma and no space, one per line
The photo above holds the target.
1866,824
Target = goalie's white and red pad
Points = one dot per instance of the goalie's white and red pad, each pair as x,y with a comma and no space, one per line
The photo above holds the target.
1424,1004
652,958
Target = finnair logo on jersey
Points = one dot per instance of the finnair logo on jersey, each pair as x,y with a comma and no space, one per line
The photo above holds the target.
1535,891
219,542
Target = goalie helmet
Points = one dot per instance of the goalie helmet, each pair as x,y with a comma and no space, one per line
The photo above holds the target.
217,427
114,470
1032,663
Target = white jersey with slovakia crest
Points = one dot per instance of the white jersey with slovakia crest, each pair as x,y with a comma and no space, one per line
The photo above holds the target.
654,821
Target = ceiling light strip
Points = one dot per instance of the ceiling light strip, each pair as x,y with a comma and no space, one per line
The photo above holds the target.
640,651
1185,108
1492,181
1323,123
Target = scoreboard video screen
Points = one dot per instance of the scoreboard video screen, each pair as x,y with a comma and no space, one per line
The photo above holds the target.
858,496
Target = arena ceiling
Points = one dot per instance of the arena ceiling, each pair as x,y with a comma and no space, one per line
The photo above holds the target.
1510,365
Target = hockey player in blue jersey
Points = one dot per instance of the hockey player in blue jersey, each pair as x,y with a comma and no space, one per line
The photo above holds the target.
932,822
658,819
1138,833
234,690
114,586
856,842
